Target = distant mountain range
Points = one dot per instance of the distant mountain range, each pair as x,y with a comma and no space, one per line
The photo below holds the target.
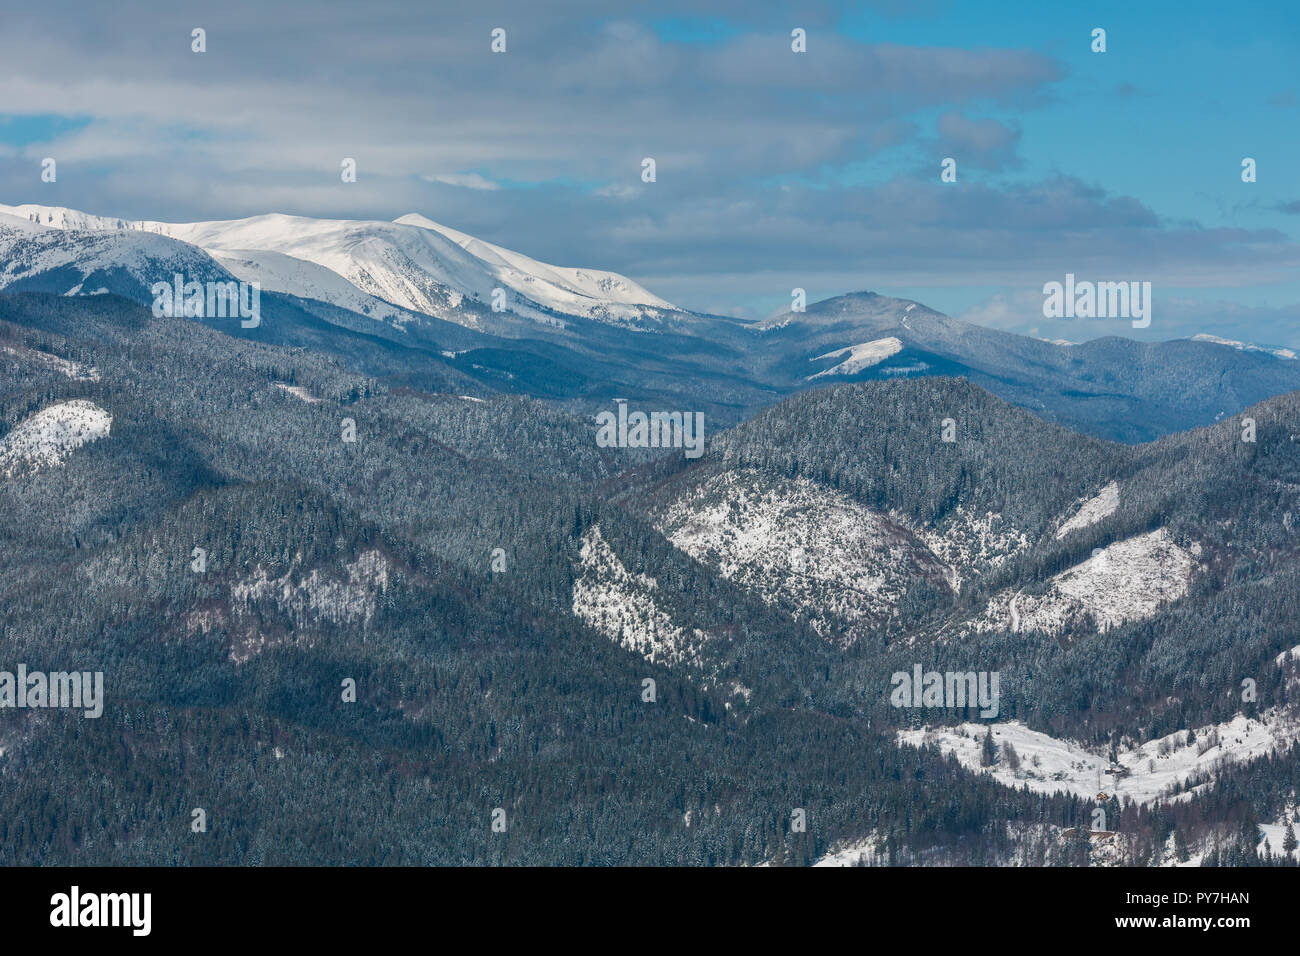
413,301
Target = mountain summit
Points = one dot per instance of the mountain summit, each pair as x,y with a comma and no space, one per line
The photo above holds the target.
414,263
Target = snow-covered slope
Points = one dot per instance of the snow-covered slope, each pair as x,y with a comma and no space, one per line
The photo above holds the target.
1125,581
413,263
277,272
1102,505
47,258
1149,771
575,291
804,547
409,267
859,357
48,437
622,606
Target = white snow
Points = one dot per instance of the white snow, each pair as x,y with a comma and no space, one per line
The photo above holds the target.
802,546
1125,581
1246,346
622,606
322,594
1091,511
1155,769
1275,834
49,436
298,392
412,263
863,852
863,355
971,543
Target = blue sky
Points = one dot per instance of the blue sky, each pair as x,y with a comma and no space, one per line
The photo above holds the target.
818,170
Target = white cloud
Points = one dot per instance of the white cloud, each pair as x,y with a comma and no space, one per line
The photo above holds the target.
464,180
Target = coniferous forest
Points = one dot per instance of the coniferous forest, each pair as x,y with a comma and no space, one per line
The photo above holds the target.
373,651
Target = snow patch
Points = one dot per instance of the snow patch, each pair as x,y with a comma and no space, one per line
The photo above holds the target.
318,594
1101,506
804,547
298,392
622,606
860,356
48,437
1166,768
1275,835
971,544
864,852
1125,581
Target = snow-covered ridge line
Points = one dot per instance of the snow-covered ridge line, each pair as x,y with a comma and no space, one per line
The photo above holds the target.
1275,351
412,263
88,261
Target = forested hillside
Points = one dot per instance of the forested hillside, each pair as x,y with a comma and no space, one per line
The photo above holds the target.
232,530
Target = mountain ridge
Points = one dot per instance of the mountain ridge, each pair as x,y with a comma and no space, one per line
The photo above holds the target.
432,294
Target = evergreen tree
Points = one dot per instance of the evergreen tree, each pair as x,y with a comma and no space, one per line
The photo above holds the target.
988,750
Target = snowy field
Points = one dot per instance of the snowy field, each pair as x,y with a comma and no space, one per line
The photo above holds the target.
1155,769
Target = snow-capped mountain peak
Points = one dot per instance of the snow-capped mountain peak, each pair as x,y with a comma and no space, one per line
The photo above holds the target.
570,285
414,263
